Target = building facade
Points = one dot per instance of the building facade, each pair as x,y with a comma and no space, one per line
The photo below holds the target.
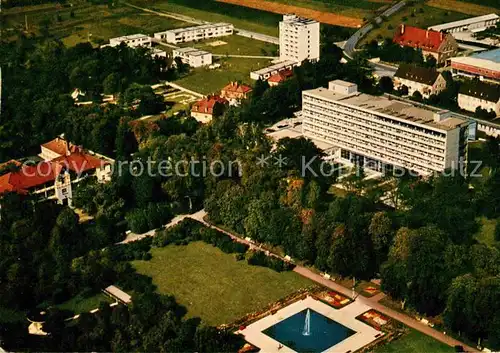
479,95
440,45
193,57
469,24
134,40
208,108
382,132
266,72
424,80
189,34
299,39
63,165
485,66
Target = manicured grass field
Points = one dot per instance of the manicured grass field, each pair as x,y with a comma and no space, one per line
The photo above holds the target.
95,22
429,17
206,81
414,342
236,45
212,11
214,285
80,305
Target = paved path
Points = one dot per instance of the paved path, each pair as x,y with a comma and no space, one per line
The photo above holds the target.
239,31
372,302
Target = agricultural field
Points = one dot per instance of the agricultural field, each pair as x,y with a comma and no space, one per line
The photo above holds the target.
213,285
473,8
421,16
207,81
414,342
235,45
208,10
95,22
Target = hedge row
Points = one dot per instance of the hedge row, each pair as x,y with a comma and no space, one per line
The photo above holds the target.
258,258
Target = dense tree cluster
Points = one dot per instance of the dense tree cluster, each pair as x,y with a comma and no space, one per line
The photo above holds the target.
392,52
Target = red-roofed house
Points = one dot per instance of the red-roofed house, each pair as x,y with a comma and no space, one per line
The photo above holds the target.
440,45
53,178
279,77
208,108
235,91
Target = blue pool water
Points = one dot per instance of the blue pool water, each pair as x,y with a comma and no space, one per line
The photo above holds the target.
324,334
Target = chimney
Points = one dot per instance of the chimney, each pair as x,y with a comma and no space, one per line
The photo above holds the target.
441,35
402,29
427,34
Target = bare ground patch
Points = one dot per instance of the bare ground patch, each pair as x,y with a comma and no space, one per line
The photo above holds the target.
323,17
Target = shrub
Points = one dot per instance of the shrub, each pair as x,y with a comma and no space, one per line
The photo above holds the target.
258,258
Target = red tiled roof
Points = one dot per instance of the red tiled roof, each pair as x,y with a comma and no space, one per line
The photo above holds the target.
281,76
419,38
60,146
206,105
44,172
236,87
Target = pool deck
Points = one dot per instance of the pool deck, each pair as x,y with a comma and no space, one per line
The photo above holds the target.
345,316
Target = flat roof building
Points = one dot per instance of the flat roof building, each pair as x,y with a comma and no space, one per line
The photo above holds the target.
299,39
267,72
469,24
189,34
380,131
485,65
133,40
193,57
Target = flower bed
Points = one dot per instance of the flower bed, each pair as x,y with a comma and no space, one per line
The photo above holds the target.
333,299
374,319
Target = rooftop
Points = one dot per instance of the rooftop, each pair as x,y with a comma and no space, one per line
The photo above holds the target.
419,38
465,22
274,67
206,105
481,90
296,20
489,60
281,76
237,87
191,51
399,109
417,74
200,27
129,37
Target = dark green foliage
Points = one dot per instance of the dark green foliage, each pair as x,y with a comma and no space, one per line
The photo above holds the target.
258,258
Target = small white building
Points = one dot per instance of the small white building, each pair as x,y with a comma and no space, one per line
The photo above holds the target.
158,53
299,39
133,40
266,72
189,34
193,57
479,94
424,80
470,24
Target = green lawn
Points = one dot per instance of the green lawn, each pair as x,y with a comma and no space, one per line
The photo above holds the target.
206,81
213,285
414,342
486,234
98,21
212,11
236,45
80,305
430,17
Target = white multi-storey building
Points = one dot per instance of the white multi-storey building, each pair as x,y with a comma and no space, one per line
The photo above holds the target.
193,57
133,40
189,34
380,132
299,39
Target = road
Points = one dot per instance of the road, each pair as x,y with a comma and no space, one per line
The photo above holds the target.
239,31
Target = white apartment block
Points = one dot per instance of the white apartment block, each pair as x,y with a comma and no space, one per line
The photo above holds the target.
189,34
193,57
133,40
379,132
477,94
299,39
473,24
